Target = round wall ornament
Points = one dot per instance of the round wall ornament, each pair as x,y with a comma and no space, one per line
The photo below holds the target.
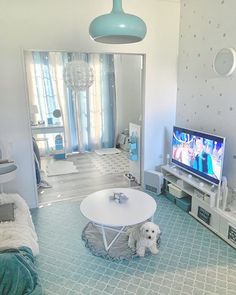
225,62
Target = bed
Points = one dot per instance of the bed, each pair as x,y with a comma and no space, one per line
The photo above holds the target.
18,248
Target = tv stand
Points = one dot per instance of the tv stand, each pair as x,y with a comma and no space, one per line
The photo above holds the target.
204,198
190,184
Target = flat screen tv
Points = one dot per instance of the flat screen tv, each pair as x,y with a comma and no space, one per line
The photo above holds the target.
199,153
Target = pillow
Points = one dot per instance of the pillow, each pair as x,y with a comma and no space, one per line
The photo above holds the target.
7,212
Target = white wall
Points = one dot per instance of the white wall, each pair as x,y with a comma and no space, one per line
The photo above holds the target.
128,77
63,25
206,101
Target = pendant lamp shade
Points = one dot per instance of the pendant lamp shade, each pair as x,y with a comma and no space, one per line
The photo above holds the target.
117,27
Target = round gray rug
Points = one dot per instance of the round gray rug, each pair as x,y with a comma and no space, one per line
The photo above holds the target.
92,236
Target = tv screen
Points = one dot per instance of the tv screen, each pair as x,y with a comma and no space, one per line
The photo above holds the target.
199,153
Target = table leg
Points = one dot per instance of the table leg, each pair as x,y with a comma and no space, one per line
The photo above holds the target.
116,237
104,238
107,247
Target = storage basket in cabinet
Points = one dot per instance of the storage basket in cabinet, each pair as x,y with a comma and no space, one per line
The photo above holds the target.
184,203
170,197
175,191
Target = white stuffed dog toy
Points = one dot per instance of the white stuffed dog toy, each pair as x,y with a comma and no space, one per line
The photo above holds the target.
144,236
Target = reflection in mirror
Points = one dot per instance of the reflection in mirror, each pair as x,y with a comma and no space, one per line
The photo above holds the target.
56,113
81,107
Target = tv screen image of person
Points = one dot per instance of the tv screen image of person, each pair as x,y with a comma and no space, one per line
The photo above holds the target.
199,153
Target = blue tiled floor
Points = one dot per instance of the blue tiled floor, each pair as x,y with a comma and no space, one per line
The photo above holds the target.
191,259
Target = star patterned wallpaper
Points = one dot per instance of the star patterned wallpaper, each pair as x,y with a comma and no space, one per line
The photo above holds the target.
206,101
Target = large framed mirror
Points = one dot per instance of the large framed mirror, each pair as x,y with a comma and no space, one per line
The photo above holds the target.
84,108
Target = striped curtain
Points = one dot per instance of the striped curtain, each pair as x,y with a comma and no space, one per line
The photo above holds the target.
88,116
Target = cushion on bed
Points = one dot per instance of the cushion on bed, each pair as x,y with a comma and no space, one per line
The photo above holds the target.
18,274
7,212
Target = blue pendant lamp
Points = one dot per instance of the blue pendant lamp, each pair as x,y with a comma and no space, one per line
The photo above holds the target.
117,27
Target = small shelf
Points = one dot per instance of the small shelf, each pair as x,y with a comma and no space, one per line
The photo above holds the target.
8,176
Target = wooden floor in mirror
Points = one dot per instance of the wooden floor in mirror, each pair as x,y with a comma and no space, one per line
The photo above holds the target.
82,174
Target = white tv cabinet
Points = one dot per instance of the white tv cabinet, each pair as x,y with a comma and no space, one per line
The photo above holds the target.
203,204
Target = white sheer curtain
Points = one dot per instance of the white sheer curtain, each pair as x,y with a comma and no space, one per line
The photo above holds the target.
89,112
88,116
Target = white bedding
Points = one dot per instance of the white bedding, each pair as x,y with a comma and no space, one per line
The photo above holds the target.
21,232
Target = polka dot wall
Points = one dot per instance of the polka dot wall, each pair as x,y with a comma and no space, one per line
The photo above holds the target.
205,100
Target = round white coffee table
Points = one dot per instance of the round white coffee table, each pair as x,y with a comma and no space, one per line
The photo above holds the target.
110,215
